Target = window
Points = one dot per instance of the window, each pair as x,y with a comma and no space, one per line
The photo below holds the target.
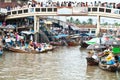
89,9
92,31
108,10
101,9
43,9
94,9
49,9
8,1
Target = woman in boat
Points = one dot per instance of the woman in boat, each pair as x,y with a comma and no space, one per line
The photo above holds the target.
1,50
31,46
90,54
116,57
92,59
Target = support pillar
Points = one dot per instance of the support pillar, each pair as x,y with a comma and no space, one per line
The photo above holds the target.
98,26
36,28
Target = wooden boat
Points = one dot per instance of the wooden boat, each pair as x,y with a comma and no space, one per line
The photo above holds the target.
83,45
91,61
56,43
72,43
106,67
21,50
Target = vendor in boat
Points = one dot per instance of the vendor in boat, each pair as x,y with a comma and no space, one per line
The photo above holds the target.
112,60
91,54
1,48
8,41
106,52
31,46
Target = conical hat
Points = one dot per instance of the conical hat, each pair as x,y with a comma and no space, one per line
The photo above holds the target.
109,57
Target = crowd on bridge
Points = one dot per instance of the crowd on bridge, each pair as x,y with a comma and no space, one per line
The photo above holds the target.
63,4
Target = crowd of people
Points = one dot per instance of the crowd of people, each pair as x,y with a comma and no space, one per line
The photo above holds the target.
63,4
19,41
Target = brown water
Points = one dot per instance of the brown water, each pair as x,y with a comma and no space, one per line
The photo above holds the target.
64,63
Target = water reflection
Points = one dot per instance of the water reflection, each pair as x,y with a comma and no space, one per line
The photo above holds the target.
65,63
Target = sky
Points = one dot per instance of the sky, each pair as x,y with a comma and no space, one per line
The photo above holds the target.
85,18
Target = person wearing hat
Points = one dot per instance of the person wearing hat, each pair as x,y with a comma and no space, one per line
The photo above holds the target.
110,59
90,53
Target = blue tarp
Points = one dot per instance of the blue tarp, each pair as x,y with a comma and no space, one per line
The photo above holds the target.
83,34
61,35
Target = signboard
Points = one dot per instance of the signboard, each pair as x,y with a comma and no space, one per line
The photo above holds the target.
31,10
115,11
80,10
2,10
116,50
64,11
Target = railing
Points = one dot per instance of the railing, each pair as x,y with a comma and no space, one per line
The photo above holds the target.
32,10
64,10
3,11
104,10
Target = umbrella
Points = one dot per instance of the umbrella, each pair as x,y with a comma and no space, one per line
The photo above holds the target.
10,27
83,34
93,41
27,32
61,35
96,41
95,46
112,42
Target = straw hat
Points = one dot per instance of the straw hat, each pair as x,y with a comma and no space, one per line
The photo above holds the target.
106,52
91,52
109,57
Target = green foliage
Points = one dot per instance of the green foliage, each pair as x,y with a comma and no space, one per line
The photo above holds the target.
71,20
90,21
84,23
68,20
77,22
116,24
106,23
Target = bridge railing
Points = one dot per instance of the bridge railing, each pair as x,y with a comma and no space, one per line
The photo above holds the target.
2,10
64,10
104,10
32,10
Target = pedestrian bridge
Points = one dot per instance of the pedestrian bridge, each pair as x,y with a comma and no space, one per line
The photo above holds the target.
64,11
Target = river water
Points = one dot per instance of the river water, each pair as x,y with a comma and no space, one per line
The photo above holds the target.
64,63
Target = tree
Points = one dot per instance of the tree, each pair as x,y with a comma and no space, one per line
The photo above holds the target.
68,20
84,23
90,21
116,24
77,22
71,20
106,23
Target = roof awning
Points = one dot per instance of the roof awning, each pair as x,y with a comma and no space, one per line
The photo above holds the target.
48,22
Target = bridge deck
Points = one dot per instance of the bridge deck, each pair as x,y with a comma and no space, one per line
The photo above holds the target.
64,11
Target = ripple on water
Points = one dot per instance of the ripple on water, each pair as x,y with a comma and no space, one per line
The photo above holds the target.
65,63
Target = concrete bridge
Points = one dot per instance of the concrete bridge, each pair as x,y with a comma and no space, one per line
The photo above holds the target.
64,11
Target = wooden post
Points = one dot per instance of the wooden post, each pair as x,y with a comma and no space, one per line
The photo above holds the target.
36,28
98,25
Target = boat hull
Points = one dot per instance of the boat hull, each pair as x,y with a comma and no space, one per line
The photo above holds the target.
91,61
72,44
110,68
83,45
22,51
